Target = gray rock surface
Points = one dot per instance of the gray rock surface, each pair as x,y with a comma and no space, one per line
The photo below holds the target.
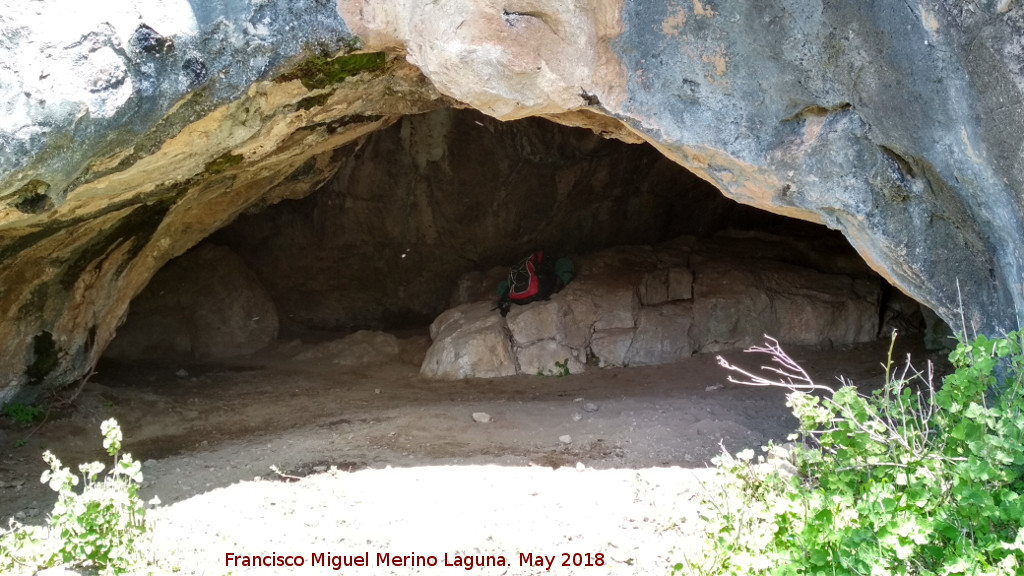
107,74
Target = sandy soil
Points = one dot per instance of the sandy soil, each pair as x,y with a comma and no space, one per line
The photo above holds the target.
394,464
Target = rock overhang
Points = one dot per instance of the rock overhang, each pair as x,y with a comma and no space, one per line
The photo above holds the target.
886,124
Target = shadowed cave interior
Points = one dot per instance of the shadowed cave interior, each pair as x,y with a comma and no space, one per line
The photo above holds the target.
429,213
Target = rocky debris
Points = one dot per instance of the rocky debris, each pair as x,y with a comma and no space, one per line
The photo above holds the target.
565,439
481,417
361,348
413,349
701,296
591,407
205,304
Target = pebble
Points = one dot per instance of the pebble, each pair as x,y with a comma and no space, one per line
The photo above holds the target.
591,407
713,387
481,417
576,416
565,439
181,373
580,467
319,468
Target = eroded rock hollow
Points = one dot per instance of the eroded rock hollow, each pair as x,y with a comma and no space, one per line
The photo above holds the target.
134,132
420,221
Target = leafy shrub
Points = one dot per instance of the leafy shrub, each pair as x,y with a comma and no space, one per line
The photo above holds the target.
907,481
22,413
97,528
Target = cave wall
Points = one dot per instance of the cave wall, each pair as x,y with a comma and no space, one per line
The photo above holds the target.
132,132
414,206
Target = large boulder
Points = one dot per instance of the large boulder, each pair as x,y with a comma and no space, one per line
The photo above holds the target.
469,341
204,305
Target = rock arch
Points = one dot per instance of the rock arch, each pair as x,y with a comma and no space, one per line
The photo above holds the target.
898,126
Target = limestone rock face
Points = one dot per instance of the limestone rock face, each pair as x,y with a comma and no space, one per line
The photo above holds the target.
727,294
737,302
546,336
538,57
663,335
206,304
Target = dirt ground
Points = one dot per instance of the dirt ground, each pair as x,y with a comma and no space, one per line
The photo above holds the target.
609,462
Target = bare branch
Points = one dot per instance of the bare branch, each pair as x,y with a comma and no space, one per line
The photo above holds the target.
793,377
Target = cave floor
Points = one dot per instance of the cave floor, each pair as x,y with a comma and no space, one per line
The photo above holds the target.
208,441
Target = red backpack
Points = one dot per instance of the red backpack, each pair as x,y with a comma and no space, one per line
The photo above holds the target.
523,282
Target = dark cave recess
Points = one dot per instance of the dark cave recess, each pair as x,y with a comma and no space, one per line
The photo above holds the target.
437,195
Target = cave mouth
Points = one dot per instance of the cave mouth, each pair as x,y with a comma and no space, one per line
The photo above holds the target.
428,214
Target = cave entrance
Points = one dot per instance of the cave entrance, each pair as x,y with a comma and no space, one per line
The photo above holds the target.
428,213
315,311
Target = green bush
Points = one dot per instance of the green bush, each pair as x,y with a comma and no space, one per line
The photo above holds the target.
22,413
907,481
97,528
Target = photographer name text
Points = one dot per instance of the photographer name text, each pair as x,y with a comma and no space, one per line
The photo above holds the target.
366,559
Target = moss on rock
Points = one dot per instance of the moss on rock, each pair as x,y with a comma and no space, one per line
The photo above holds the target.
32,198
320,71
223,162
312,101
